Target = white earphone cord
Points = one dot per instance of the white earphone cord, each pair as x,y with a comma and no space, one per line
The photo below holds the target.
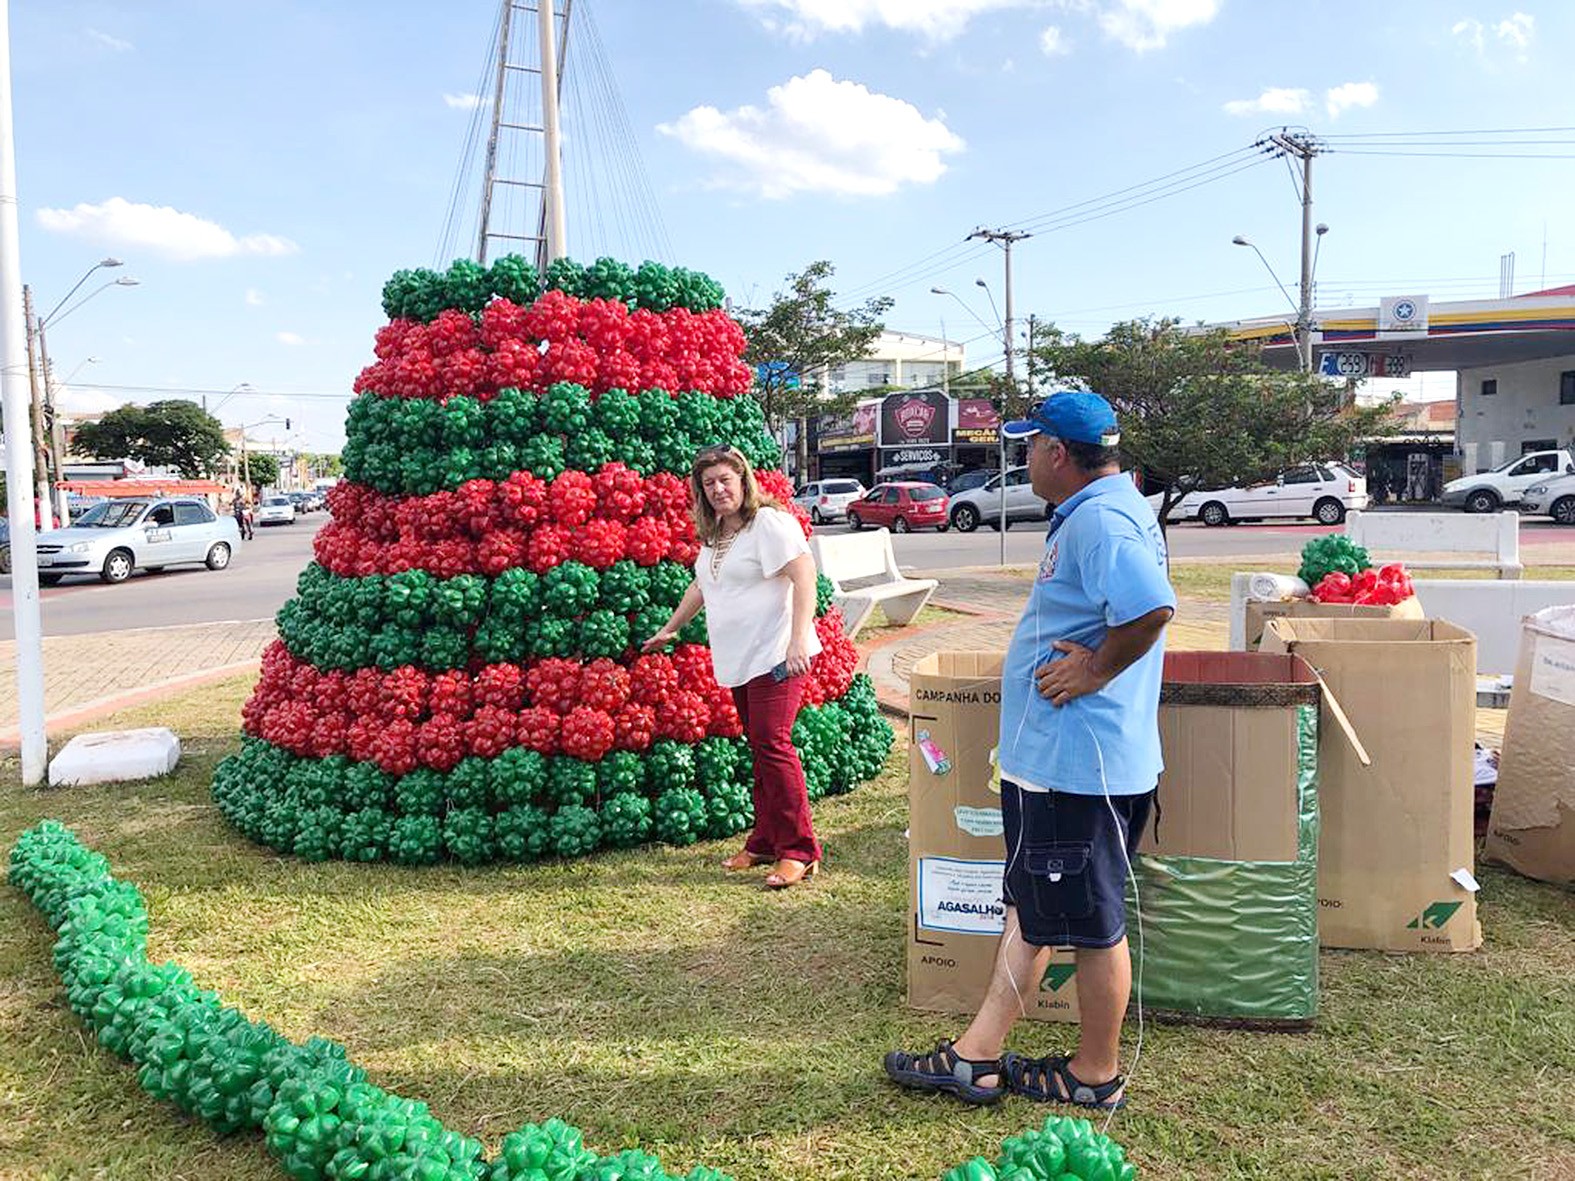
1137,901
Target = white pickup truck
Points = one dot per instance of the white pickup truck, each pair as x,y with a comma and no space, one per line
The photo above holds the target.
1487,492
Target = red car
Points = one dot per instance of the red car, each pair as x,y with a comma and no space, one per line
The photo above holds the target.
900,506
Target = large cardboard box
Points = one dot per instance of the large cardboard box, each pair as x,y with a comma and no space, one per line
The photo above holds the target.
1229,871
956,849
1532,827
1260,613
1396,849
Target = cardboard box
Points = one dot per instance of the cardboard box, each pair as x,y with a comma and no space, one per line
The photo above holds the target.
1259,614
1228,789
1229,872
1532,826
956,850
1395,834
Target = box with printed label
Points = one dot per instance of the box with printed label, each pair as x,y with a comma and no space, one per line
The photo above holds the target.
1396,847
1532,827
956,848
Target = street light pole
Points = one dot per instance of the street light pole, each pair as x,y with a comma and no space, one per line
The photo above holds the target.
57,428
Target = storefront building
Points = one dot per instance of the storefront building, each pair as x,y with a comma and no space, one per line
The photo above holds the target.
916,434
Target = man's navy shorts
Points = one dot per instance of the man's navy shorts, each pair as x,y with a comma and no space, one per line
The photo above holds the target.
1066,863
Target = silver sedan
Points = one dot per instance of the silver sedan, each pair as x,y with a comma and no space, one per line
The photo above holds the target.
143,533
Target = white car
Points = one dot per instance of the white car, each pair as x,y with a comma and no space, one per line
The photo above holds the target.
1555,497
1503,486
982,505
116,537
1323,491
276,510
828,500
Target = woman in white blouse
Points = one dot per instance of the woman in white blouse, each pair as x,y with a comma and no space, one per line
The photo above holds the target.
755,578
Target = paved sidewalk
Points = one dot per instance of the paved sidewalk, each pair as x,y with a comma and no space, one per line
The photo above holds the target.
88,676
994,598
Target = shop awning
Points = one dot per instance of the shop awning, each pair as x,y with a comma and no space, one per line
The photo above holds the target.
121,488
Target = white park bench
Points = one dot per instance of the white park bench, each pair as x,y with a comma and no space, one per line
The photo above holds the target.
1486,541
867,559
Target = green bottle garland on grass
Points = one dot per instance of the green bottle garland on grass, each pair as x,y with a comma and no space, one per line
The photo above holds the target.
320,1117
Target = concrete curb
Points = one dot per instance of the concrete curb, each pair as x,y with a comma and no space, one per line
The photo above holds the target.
56,724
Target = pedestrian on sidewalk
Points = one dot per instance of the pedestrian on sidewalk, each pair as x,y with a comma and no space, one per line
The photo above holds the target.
1079,757
755,577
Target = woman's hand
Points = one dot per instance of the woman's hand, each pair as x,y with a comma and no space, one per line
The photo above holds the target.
797,657
660,640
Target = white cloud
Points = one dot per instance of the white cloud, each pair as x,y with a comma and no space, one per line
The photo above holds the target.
1053,42
1469,31
1275,100
1352,94
254,298
818,134
73,399
463,102
1142,25
935,20
292,339
114,44
1517,30
184,237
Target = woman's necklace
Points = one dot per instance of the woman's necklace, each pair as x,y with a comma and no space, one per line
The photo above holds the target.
719,548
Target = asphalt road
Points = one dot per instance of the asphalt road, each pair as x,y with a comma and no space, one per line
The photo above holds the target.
258,581
263,574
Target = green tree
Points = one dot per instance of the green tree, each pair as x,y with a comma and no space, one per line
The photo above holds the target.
173,434
263,468
796,338
1199,410
324,464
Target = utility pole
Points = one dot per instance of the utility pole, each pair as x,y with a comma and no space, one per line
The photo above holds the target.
1304,147
40,447
1004,239
57,433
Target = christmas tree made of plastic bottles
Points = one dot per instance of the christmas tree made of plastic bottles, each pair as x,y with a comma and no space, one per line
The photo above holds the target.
459,675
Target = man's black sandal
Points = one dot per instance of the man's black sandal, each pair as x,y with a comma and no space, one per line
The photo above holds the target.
1050,1080
942,1070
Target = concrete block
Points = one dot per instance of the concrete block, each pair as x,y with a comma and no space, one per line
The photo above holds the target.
116,756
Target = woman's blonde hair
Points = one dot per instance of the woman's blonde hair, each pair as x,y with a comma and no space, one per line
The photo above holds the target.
708,526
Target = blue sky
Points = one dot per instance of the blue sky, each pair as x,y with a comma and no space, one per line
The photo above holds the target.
262,169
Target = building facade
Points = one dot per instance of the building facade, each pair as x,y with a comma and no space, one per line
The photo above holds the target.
899,360
1507,410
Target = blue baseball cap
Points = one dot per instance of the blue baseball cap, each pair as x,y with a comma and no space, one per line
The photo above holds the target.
1077,416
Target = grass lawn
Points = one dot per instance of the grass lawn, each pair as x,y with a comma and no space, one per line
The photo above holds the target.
651,1000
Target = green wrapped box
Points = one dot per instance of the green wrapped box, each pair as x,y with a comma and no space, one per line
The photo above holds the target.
1227,881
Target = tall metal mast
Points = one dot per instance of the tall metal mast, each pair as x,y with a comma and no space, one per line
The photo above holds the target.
547,63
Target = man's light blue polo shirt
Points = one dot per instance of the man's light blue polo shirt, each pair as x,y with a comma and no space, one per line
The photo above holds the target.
1103,566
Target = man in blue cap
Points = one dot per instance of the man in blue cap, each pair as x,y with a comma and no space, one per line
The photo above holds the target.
1079,759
